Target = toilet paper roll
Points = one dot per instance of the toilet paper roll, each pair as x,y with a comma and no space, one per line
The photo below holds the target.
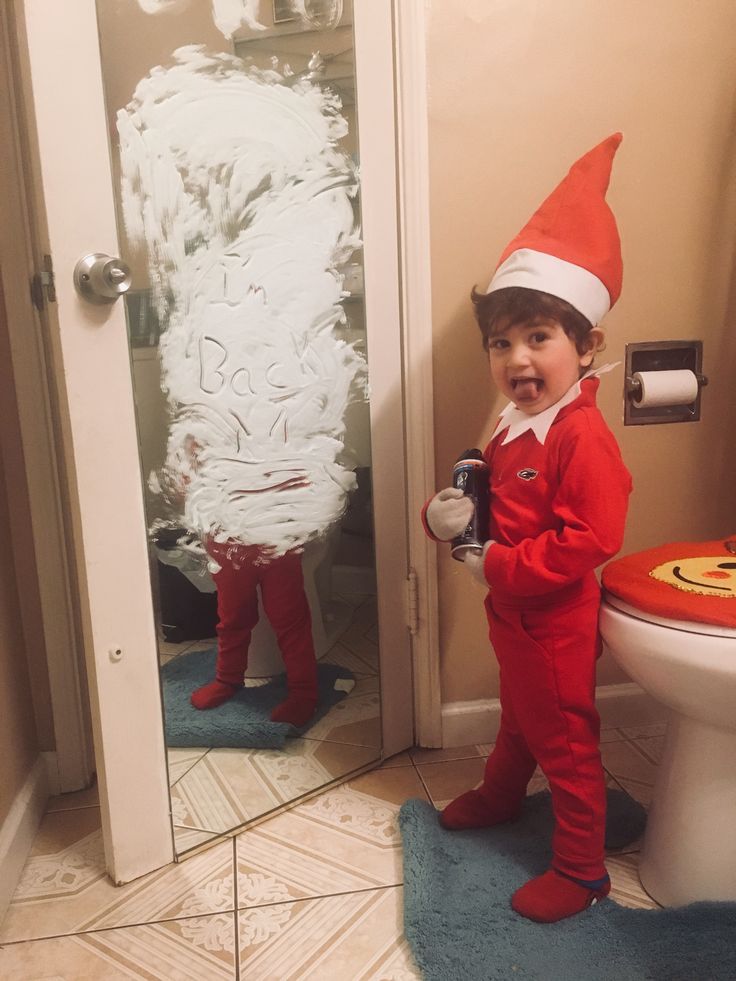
678,387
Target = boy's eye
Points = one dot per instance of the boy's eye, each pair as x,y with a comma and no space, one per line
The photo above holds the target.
539,336
497,343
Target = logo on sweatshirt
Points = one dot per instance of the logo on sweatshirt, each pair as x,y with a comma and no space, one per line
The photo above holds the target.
528,474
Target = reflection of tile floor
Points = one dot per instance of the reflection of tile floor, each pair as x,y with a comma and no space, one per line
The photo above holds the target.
215,791
312,893
229,787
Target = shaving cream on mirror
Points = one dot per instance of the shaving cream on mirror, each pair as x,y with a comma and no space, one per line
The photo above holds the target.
237,186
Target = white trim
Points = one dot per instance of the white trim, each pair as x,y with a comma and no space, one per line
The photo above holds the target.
375,92
471,722
477,721
413,154
549,274
19,829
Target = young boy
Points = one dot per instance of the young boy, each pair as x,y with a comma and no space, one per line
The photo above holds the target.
559,493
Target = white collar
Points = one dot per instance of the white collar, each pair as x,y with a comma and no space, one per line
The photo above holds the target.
519,422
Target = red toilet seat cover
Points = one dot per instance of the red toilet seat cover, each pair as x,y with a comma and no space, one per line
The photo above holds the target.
682,581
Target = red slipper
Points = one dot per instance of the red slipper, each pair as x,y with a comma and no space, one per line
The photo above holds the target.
552,896
474,810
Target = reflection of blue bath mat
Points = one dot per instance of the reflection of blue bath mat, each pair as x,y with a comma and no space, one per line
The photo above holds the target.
457,917
244,720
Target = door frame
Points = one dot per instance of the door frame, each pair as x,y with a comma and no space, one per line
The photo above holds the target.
130,750
40,536
416,278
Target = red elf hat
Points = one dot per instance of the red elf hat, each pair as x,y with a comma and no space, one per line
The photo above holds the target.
570,247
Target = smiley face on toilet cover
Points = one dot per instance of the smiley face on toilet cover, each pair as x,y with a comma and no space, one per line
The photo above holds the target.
694,581
708,576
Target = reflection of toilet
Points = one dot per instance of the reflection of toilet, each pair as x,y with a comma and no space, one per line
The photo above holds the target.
689,851
264,656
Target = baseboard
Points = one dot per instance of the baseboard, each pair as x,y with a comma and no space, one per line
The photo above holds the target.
626,706
19,829
469,723
477,721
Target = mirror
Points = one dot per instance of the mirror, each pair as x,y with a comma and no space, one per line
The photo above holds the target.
235,157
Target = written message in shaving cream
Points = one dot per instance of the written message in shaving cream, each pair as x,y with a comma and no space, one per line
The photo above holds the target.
245,202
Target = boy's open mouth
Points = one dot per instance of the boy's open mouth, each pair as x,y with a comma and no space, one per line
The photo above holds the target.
526,388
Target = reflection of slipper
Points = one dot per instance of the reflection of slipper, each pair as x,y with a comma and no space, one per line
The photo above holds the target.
244,720
296,711
459,921
212,694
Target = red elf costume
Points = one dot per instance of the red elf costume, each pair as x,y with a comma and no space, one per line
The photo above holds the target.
243,570
559,494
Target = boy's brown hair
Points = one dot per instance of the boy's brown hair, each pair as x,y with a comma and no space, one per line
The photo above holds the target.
518,305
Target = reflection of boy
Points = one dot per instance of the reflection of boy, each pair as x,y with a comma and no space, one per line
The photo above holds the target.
242,572
559,493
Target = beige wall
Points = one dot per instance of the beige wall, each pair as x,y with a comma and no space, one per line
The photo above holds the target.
518,89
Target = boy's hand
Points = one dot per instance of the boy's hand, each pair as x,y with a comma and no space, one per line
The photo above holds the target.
475,562
448,513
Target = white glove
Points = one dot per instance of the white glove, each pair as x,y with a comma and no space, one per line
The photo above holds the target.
448,513
475,562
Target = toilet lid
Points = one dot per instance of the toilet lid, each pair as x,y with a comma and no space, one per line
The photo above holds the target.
687,626
684,581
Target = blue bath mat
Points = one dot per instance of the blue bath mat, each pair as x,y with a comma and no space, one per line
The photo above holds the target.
458,921
244,720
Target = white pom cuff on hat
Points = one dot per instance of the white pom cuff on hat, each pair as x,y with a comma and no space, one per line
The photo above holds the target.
541,271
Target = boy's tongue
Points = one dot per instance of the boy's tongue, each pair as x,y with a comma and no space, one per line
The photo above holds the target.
526,389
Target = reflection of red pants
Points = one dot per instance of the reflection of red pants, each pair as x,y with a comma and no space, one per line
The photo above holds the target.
285,604
548,716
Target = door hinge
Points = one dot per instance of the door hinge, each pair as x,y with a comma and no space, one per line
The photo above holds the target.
412,603
43,287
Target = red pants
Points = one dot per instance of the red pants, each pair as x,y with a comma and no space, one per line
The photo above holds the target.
547,659
284,602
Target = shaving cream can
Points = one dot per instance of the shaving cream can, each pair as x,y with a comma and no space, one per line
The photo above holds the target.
470,474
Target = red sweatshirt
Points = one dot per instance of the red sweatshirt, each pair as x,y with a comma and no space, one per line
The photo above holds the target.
558,509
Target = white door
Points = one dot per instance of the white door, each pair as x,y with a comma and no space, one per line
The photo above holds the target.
94,365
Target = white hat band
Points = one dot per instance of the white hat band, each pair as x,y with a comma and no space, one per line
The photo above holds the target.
548,274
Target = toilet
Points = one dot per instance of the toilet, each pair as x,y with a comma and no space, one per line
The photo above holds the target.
668,617
329,616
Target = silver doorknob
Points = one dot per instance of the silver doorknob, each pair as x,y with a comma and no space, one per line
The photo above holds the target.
100,278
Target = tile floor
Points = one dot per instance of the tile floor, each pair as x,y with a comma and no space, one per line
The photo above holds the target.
312,893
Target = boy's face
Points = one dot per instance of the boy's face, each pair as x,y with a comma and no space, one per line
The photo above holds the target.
535,363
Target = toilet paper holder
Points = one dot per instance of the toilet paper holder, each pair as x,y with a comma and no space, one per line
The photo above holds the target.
654,356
